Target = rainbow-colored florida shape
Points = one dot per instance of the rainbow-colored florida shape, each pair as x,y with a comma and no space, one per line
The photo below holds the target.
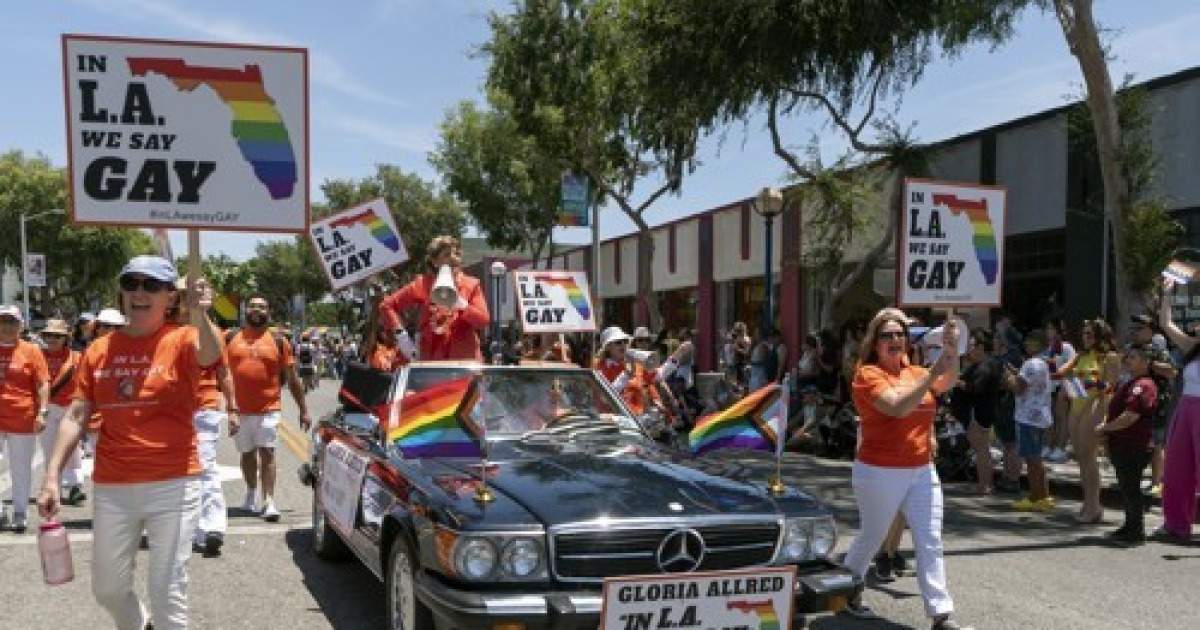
377,226
740,426
257,126
768,619
574,293
982,228
430,424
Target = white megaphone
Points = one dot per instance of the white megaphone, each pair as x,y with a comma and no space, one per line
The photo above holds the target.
932,341
645,357
444,293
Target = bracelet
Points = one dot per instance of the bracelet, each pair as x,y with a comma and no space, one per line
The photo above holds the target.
233,411
43,411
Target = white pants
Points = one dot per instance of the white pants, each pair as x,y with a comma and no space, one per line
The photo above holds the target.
72,472
19,448
167,511
212,498
917,492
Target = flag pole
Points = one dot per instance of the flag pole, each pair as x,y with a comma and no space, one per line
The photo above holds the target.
775,484
482,494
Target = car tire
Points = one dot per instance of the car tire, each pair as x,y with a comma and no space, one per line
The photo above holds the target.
326,541
404,609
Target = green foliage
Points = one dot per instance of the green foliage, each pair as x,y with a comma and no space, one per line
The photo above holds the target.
1151,238
283,269
421,212
82,262
508,184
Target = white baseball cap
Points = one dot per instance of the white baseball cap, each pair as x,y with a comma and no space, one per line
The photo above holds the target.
111,317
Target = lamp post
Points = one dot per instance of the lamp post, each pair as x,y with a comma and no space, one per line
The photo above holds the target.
25,257
497,271
769,204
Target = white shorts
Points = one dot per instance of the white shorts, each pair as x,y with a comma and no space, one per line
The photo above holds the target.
257,430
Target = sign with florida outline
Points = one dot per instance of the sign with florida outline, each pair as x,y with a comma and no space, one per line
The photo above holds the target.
357,243
554,301
186,134
951,245
756,599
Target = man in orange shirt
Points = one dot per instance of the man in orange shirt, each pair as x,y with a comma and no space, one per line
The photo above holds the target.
260,362
24,394
446,332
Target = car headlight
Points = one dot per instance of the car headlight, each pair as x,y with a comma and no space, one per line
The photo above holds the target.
521,557
795,540
476,558
824,537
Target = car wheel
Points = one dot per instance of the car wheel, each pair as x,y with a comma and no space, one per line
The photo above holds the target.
405,610
327,543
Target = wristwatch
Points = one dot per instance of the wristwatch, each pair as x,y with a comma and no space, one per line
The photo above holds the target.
43,411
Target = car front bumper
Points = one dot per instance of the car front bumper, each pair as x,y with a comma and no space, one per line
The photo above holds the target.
818,589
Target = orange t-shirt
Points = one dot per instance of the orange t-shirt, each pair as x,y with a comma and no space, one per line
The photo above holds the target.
208,396
144,390
22,367
59,362
634,393
255,364
886,440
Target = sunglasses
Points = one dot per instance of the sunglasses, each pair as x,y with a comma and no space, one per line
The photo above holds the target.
622,342
113,326
47,335
891,335
149,285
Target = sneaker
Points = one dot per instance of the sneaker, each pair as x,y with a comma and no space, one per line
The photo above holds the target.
18,523
1024,505
899,564
212,544
1129,537
1164,535
1043,505
269,513
855,608
947,622
1057,456
249,502
74,496
883,568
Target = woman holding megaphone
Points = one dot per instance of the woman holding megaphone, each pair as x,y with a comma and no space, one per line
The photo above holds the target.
452,305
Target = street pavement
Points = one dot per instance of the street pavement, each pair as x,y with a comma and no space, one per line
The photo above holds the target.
1006,570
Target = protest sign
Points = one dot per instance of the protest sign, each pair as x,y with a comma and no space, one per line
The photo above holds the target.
751,598
554,301
186,134
951,247
35,270
357,243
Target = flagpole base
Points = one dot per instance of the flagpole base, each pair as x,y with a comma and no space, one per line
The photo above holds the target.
775,485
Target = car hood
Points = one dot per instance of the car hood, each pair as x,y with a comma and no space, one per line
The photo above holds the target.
563,482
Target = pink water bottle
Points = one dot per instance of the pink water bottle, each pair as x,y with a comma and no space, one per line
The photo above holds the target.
55,549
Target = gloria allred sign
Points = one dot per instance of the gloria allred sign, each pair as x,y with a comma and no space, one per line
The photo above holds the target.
186,134
554,301
951,247
750,598
358,243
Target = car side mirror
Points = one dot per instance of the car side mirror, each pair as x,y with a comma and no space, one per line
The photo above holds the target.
364,425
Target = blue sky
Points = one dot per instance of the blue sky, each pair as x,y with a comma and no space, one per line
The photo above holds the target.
384,72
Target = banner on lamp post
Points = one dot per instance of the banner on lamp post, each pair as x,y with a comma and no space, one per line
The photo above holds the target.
573,206
35,270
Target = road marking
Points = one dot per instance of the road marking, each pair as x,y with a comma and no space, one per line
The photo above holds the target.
296,443
82,536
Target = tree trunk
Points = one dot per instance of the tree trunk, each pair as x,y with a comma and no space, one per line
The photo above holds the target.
1079,29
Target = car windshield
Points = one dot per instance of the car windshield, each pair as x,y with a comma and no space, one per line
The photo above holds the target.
506,401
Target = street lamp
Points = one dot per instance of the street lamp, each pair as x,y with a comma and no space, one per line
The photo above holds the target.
25,257
769,204
497,271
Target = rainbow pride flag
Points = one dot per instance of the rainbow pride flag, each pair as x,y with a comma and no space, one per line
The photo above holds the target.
742,425
430,424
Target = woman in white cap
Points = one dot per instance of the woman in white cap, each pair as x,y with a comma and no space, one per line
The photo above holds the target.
143,381
629,378
24,394
63,363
